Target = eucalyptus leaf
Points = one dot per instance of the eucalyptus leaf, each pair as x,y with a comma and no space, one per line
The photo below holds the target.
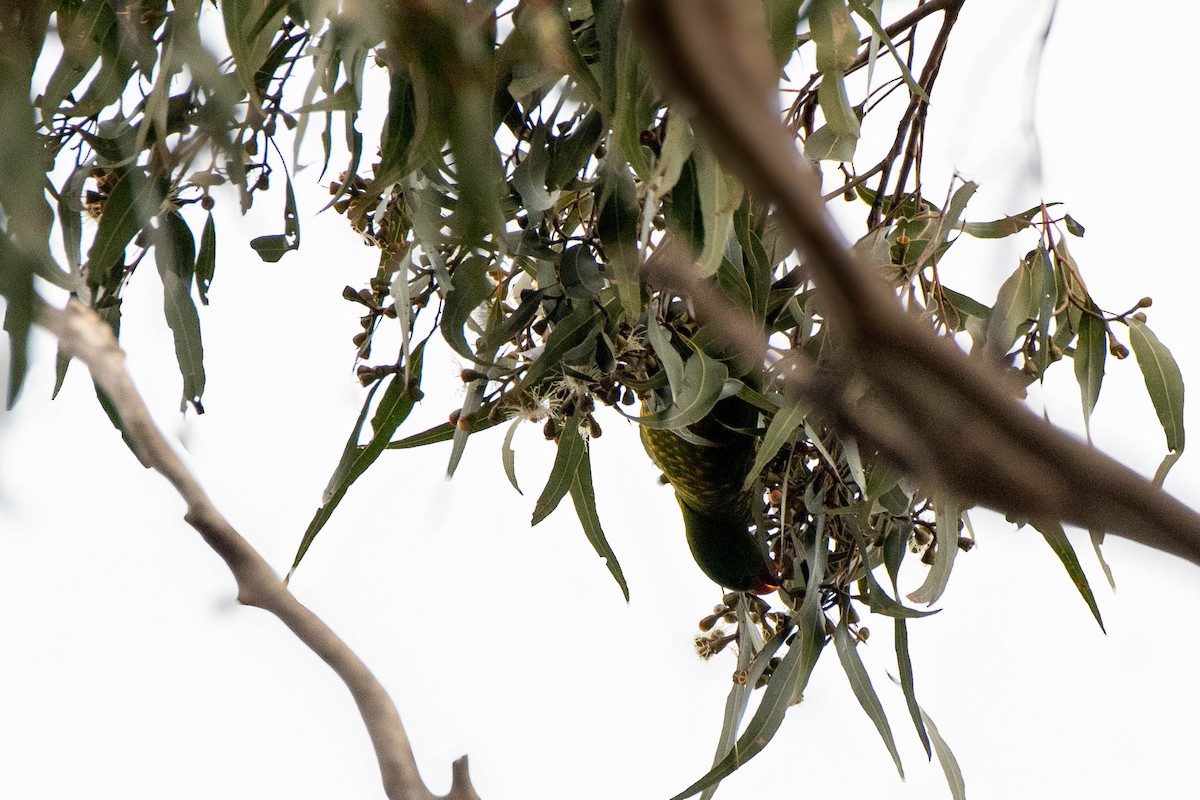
1164,381
1017,301
947,515
394,407
1091,350
703,383
1056,537
904,663
572,449
206,259
584,498
175,254
785,422
786,685
845,645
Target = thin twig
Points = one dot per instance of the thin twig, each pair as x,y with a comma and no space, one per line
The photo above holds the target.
82,335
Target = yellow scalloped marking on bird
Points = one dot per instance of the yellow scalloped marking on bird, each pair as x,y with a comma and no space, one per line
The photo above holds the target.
717,512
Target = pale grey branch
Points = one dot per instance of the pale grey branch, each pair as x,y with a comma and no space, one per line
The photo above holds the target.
82,335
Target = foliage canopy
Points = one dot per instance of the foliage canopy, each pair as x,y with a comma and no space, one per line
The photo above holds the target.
526,168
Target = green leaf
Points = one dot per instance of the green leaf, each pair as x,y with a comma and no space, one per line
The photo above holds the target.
904,662
571,451
783,424
570,153
1097,538
860,682
70,217
1046,293
999,228
617,227
1073,226
175,254
1091,349
836,38
250,27
878,600
584,498
720,196
394,407
665,352
130,203
529,178
703,382
827,144
753,664
16,287
1017,302
444,432
636,100
953,773
508,456
272,247
471,287
1164,381
566,335
879,34
472,402
787,682
943,561
676,150
206,259
783,17
1056,537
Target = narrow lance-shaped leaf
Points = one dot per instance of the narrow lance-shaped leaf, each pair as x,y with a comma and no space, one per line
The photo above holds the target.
860,682
1164,381
720,195
394,407
1016,302
175,253
751,664
904,662
787,681
783,424
703,383
206,259
953,773
943,560
1056,537
571,451
1091,350
509,456
584,497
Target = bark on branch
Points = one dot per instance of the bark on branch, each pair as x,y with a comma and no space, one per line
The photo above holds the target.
82,335
951,420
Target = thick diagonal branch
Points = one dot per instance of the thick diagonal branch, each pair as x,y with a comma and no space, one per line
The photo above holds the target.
82,335
949,419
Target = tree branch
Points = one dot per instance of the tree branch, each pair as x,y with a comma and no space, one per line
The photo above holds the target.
82,335
952,421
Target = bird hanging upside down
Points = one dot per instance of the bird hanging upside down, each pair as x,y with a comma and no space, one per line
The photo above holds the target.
717,511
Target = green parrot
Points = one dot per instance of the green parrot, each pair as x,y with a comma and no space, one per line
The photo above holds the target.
717,512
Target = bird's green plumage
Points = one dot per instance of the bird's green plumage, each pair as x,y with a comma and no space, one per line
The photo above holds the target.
717,511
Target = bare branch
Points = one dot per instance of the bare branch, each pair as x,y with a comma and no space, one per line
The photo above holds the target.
951,420
82,335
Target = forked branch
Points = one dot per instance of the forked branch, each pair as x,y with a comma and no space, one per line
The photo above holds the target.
82,335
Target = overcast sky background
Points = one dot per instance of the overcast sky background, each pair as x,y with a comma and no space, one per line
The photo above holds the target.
130,672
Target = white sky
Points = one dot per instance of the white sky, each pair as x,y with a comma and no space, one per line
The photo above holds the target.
131,673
